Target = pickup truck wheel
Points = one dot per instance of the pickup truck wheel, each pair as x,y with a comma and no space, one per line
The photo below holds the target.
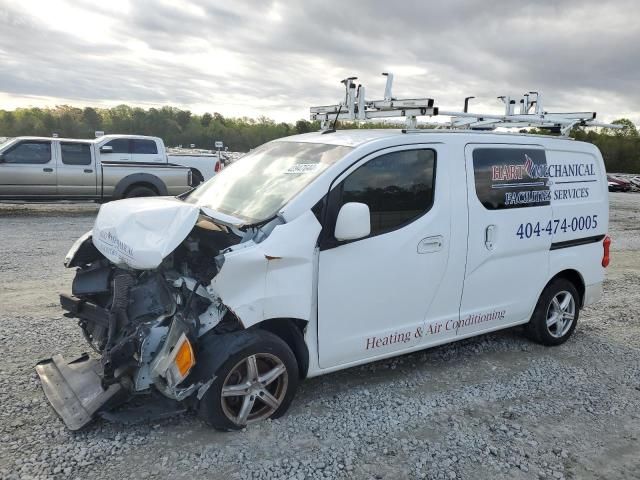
256,382
556,314
140,192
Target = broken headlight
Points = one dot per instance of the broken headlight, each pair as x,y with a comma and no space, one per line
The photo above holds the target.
176,358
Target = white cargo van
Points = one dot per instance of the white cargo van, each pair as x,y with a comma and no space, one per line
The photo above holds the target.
323,251
320,252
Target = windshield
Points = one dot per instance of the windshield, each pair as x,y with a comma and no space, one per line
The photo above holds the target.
259,184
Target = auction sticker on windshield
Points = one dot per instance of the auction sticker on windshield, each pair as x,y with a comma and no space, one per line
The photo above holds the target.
302,168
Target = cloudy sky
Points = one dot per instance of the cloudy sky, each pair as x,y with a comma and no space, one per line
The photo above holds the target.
277,58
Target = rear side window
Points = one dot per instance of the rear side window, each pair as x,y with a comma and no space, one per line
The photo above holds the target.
397,187
511,177
76,153
120,145
32,152
145,147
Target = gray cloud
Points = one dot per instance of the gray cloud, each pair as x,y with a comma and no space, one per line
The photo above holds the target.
278,58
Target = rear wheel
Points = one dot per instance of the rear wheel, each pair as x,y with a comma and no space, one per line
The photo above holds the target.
556,314
140,191
256,382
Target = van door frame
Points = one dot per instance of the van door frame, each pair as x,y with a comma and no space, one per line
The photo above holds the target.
456,197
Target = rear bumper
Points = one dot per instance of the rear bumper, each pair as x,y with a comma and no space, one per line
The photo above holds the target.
74,389
592,294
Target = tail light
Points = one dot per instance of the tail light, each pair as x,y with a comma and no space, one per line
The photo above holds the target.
606,243
218,167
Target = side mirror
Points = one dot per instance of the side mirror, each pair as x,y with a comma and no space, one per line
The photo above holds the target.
106,149
354,221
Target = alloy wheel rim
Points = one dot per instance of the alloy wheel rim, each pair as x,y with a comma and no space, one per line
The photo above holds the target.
254,389
561,314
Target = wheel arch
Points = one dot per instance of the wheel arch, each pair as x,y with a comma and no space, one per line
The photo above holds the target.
575,278
139,180
291,331
196,173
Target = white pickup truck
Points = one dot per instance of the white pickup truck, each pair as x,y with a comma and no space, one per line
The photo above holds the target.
109,167
141,149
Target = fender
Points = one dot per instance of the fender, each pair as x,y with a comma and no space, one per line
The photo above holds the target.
135,178
274,278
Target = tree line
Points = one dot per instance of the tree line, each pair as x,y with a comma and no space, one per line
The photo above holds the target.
620,148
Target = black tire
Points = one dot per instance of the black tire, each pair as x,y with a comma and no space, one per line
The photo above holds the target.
538,329
140,191
216,411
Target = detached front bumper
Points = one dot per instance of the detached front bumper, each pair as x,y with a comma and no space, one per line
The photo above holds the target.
74,389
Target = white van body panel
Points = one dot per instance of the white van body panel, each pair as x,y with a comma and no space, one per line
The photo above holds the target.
379,292
497,291
502,286
274,278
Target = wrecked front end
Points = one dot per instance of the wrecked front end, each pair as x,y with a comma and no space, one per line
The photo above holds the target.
141,298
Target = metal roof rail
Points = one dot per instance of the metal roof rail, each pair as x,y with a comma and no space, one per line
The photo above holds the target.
356,108
530,113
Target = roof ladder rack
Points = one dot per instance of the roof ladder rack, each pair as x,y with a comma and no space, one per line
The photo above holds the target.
525,112
531,114
355,107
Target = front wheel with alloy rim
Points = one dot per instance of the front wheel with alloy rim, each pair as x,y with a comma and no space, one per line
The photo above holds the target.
256,382
556,314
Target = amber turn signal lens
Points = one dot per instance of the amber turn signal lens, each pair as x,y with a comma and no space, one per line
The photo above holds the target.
184,358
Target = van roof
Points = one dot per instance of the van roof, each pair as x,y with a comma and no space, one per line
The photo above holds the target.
357,137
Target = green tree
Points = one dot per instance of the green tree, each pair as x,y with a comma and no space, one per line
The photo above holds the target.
303,126
206,119
628,128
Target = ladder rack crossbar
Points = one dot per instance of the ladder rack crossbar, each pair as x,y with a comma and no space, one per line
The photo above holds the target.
531,113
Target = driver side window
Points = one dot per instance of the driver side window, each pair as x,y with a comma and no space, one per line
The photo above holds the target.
397,187
30,152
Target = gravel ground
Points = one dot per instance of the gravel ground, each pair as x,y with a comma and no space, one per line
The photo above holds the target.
496,406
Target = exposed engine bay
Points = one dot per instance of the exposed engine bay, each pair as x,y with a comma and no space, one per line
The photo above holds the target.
143,324
117,308
165,292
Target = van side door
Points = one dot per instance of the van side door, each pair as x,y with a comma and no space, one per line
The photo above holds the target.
76,169
510,220
387,293
28,169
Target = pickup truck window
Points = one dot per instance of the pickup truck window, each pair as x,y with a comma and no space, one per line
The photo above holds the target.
120,145
259,184
397,187
145,147
32,152
76,153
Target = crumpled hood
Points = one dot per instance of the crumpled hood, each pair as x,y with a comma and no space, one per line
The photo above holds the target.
141,232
